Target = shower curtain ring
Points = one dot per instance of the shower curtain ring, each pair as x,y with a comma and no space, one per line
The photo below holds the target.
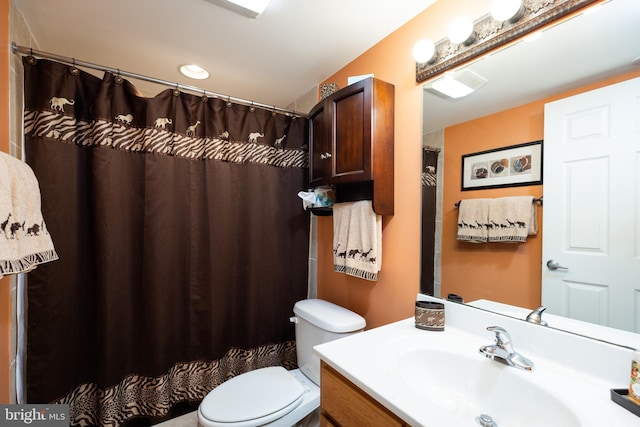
273,113
229,101
252,108
119,78
204,96
74,70
31,60
176,91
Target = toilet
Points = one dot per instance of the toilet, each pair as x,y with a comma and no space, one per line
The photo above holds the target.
274,396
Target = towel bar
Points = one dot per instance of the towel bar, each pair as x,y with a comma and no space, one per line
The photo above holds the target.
535,200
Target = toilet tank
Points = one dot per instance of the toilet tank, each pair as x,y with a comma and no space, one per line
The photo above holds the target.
318,321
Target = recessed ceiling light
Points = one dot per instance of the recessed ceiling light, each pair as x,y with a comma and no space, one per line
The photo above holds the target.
249,8
194,71
532,37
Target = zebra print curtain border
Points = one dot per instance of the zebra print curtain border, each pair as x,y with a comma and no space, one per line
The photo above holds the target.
102,133
140,396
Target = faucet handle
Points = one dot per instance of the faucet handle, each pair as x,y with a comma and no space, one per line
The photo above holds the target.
536,316
503,339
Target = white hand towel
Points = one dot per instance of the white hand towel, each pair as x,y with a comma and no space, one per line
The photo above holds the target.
24,239
512,219
473,215
357,240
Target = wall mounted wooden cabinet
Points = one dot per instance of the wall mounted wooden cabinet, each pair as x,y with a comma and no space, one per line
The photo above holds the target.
342,403
351,143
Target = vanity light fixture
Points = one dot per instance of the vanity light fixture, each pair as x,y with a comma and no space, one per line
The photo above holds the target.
424,51
510,20
457,84
507,10
194,71
461,30
248,8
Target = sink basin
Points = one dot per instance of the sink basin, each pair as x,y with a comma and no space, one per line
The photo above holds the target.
465,387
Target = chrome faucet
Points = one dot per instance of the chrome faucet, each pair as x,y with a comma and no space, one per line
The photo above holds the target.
502,351
536,316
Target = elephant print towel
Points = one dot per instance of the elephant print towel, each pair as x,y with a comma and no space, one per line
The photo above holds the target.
24,239
357,240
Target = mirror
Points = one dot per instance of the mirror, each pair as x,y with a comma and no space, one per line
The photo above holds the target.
585,49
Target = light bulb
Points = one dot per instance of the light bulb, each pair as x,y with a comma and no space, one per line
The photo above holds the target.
504,10
460,29
424,51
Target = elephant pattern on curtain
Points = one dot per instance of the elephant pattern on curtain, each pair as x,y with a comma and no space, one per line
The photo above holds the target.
183,246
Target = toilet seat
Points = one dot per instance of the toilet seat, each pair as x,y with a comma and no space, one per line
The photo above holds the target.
253,398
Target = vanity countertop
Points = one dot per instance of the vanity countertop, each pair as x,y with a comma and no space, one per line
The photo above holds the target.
372,359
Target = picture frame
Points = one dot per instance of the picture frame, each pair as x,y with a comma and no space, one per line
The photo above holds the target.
512,166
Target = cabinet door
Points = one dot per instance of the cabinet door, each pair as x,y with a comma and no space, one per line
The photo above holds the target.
351,136
319,143
342,403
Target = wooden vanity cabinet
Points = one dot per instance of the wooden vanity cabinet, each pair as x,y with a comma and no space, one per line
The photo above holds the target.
351,136
344,404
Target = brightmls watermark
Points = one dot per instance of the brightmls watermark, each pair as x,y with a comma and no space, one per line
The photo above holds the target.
34,415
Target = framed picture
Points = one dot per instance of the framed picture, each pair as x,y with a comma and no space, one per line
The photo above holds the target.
511,166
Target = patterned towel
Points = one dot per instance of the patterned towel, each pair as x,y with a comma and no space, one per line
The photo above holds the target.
24,240
473,215
512,219
357,240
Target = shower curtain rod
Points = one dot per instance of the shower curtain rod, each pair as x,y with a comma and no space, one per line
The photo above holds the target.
75,62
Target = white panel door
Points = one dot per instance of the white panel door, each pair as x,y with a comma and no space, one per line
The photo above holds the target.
591,222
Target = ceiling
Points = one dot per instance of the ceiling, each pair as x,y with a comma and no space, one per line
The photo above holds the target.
587,48
295,44
274,59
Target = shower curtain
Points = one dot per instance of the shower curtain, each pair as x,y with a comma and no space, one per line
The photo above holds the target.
429,182
183,246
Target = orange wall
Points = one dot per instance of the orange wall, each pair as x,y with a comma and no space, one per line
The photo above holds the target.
392,296
508,273
5,288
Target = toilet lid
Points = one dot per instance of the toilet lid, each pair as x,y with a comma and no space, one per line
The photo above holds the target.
255,394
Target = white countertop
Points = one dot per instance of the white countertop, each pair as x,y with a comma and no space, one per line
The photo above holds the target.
370,360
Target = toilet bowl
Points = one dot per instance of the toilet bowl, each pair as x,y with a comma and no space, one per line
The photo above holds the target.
274,396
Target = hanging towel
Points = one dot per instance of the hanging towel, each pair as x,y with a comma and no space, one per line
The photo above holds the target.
512,219
24,240
473,215
357,240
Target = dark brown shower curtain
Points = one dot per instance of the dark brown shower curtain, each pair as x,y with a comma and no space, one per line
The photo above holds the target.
429,181
183,245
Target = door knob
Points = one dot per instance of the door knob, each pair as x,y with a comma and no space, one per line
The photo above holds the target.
552,265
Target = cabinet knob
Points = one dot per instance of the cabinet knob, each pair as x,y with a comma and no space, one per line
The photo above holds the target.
325,156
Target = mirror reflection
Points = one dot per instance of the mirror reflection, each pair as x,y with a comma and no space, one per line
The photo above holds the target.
590,50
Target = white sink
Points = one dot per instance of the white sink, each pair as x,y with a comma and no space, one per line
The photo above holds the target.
438,379
465,387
